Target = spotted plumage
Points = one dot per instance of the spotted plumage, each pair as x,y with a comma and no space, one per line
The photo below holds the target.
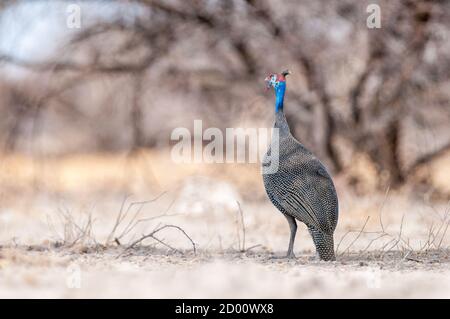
301,188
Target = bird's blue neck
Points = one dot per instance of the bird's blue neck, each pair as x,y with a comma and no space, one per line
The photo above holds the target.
279,96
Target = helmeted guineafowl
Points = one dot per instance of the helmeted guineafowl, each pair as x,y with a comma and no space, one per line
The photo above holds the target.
301,188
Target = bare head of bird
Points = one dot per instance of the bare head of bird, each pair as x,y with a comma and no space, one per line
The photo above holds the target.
273,80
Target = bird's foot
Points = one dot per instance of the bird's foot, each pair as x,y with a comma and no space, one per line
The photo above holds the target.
290,255
287,256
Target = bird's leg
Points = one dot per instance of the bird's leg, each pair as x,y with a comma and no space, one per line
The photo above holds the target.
293,228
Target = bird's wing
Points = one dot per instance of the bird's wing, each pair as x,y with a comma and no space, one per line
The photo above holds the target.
307,193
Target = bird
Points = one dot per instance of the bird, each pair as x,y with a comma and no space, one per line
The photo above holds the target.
300,187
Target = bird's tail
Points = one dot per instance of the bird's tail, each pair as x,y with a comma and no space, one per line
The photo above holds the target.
324,244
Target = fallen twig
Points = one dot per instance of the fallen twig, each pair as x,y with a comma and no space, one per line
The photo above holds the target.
123,214
158,229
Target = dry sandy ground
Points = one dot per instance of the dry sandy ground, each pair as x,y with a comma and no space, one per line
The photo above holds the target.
149,273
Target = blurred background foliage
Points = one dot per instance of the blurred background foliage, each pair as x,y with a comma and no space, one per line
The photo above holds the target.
366,101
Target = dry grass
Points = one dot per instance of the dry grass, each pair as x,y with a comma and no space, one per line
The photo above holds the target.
137,173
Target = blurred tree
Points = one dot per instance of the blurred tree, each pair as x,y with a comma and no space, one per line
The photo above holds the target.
370,90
